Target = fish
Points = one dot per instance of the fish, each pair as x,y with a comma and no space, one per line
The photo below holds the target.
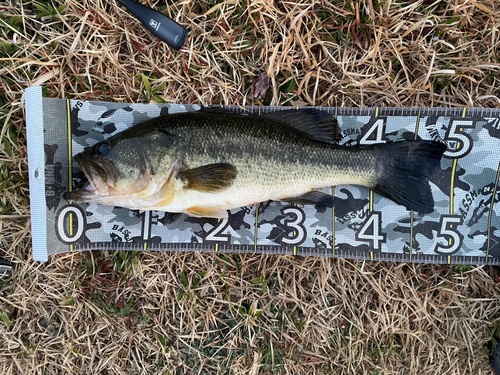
207,162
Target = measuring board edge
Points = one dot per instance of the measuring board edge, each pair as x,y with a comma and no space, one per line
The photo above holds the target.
263,248
368,111
36,165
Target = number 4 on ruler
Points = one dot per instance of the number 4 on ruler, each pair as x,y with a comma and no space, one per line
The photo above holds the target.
379,127
371,231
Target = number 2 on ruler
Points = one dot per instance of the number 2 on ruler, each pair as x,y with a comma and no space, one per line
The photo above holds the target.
215,234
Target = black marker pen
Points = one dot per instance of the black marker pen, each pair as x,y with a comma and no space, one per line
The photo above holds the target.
158,24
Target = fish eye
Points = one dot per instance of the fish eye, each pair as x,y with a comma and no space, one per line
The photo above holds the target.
104,149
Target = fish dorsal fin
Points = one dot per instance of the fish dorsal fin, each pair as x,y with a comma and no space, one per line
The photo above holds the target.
312,122
211,178
319,125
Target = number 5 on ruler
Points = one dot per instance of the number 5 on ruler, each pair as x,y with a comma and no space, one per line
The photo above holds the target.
450,234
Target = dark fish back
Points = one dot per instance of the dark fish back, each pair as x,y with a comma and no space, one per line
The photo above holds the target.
230,136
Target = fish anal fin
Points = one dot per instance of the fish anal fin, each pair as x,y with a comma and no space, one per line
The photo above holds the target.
313,197
201,211
211,178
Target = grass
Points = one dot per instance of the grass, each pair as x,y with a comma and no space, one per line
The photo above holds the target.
190,313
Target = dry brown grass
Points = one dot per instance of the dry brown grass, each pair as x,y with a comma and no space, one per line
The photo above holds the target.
189,313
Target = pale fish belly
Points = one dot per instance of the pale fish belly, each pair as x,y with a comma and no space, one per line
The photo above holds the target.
252,188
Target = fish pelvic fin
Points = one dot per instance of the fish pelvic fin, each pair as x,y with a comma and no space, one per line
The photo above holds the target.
211,178
404,172
313,197
200,211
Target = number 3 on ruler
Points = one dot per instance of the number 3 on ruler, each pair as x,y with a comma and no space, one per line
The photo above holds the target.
299,231
371,231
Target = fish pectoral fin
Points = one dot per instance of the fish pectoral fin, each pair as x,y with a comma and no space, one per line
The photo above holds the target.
200,211
313,197
211,178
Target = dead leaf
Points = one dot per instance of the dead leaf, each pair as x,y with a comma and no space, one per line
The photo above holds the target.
260,84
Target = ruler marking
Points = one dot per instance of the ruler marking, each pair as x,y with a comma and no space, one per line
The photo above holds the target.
70,169
256,226
452,185
371,200
294,205
371,192
490,214
70,152
71,225
218,220
411,212
256,217
454,168
146,228
333,194
411,236
217,244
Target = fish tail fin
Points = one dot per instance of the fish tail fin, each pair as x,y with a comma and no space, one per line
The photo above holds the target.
405,168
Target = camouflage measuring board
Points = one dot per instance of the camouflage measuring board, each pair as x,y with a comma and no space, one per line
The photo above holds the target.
464,228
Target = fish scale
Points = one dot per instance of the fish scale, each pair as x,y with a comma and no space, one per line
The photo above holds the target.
241,147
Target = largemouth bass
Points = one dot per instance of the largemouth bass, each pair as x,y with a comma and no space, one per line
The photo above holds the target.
207,162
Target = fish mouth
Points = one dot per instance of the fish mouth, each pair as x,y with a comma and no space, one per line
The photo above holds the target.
86,194
100,180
